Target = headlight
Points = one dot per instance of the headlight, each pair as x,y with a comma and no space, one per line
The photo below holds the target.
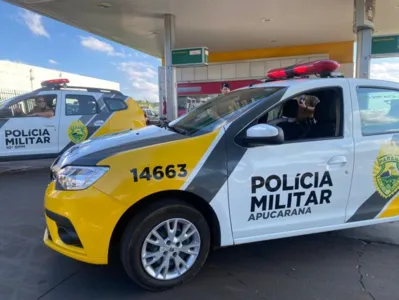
79,178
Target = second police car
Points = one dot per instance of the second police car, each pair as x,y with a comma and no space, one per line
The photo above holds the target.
49,120
222,175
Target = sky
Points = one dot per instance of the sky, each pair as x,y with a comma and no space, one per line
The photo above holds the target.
47,40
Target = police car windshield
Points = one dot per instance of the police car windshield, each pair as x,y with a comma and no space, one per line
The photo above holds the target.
222,109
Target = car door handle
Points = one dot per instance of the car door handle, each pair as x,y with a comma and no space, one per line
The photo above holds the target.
99,123
49,126
337,161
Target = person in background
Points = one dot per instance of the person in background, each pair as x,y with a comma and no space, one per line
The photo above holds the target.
225,88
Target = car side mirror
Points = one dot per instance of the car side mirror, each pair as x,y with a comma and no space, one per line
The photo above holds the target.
263,134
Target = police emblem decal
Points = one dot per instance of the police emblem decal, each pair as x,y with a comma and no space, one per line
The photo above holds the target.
386,170
77,131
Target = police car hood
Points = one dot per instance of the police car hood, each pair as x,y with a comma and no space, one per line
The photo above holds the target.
92,151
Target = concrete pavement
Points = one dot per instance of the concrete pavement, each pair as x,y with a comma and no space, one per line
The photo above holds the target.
24,165
332,266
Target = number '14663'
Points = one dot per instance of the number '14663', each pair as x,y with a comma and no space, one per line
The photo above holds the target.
159,172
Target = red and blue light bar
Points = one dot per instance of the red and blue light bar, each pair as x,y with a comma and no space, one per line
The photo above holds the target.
323,68
55,82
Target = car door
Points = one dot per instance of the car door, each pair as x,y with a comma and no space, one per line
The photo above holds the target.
374,196
78,122
296,187
29,136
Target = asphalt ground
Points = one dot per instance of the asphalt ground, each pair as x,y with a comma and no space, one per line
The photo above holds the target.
352,264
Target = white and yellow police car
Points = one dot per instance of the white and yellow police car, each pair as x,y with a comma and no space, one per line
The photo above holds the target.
47,121
224,175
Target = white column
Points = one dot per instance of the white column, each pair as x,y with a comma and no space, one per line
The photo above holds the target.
161,88
364,29
170,71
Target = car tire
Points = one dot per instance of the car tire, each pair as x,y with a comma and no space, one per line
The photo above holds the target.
134,244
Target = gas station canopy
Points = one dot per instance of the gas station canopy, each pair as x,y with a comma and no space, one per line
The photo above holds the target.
241,40
220,25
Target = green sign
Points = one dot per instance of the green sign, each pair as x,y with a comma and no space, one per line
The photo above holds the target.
190,56
385,45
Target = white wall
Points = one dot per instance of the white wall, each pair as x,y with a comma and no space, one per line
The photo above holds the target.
252,69
16,76
347,70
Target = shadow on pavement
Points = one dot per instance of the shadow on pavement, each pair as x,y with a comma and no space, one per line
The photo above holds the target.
324,266
25,165
312,267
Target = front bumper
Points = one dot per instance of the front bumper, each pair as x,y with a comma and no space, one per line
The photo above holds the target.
80,223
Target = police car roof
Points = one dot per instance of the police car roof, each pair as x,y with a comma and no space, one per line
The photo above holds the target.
314,74
80,88
293,82
62,83
319,82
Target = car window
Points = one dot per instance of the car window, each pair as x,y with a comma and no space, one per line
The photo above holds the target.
29,105
80,105
4,101
379,110
115,104
324,119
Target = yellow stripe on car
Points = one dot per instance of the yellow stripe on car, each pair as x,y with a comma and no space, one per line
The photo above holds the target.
392,210
133,118
169,166
159,159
